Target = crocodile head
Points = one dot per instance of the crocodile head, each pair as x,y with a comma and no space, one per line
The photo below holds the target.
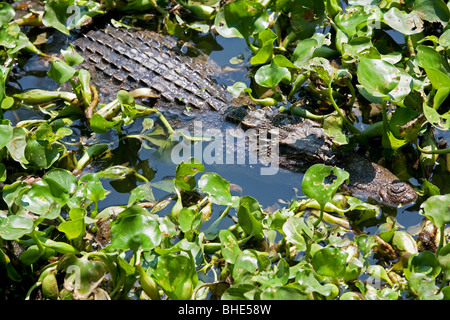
370,180
302,142
397,193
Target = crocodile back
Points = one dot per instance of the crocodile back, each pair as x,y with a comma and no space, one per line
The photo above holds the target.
123,59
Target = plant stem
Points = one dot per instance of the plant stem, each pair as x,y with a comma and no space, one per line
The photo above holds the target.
441,239
410,46
108,110
384,114
251,46
352,92
165,122
290,37
38,243
298,82
319,219
347,122
439,151
302,112
34,286
139,176
77,93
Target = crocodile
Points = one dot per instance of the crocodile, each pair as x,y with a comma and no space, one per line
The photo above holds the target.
302,142
124,59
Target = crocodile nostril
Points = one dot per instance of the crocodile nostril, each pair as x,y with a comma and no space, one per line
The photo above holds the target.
397,188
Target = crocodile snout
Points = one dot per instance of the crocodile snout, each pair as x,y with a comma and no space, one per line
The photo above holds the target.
398,193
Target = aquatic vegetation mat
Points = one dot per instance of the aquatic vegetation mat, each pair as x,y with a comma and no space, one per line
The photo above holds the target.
374,75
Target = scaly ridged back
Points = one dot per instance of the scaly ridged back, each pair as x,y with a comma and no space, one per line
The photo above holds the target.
123,59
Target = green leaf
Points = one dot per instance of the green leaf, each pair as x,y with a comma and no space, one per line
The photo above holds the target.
125,98
6,13
333,7
399,119
403,242
236,89
248,222
42,154
185,172
425,262
389,141
282,61
444,39
406,23
440,97
142,192
271,75
30,255
218,189
72,57
432,11
189,219
14,227
378,77
60,71
2,172
305,18
316,182
439,121
427,57
6,133
295,229
437,209
12,192
355,17
438,78
266,38
240,291
176,275
330,262
241,19
309,284
282,293
333,125
229,246
56,13
420,286
45,198
323,68
17,144
82,275
94,188
12,38
304,51
444,260
136,229
379,273
115,172
246,262
75,228
101,125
